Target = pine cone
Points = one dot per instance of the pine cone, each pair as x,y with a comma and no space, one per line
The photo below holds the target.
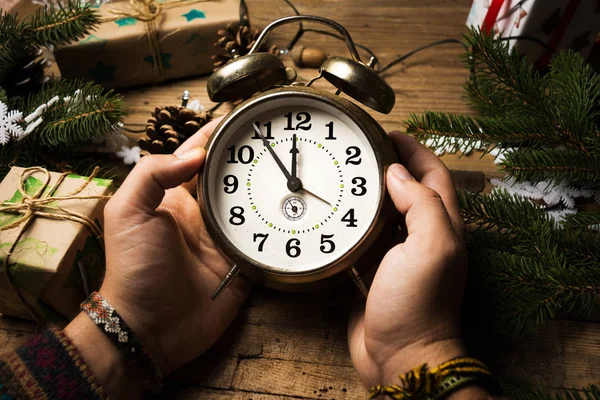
29,76
169,127
237,40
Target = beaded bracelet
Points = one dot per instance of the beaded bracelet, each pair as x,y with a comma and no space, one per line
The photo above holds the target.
440,382
115,328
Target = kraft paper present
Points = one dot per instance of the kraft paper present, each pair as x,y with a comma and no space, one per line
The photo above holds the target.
55,263
125,51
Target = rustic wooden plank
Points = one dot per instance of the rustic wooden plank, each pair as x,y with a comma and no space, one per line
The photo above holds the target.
14,331
196,393
294,378
211,370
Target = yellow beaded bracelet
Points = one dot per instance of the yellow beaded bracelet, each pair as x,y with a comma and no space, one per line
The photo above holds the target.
421,383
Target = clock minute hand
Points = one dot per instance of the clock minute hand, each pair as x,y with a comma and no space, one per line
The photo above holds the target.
294,152
293,184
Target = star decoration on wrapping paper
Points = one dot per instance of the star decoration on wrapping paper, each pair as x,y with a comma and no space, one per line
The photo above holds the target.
9,124
193,14
125,22
581,41
550,23
96,42
165,59
130,155
196,44
103,72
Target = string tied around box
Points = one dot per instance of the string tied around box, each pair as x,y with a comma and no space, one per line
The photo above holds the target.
39,204
148,11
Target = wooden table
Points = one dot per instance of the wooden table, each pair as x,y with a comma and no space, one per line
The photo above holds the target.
293,346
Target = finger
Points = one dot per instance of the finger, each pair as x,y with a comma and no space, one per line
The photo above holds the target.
428,169
145,185
424,211
198,139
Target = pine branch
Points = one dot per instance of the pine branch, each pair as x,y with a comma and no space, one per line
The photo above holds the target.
443,130
585,220
525,292
527,389
579,169
71,123
509,73
3,96
574,89
62,25
11,42
503,211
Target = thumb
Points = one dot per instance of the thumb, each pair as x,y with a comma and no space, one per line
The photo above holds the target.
145,185
422,207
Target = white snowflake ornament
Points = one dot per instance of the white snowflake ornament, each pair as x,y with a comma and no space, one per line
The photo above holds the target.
130,155
9,124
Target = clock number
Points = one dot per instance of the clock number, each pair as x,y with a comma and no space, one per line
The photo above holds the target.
360,188
268,136
231,184
303,119
330,135
354,153
245,154
325,243
263,237
237,216
292,249
349,218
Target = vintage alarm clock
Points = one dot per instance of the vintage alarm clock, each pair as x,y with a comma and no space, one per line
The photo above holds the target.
293,189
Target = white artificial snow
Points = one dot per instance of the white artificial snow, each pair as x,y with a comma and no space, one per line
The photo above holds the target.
195,105
130,155
9,127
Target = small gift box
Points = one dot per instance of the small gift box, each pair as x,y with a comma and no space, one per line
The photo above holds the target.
51,253
544,26
141,42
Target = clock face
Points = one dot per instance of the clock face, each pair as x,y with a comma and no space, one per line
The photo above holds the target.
293,184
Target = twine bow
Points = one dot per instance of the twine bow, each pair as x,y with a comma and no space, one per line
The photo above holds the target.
40,205
148,11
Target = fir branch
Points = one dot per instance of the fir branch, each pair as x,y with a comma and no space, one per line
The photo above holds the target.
527,389
71,123
442,130
507,72
584,220
11,42
3,96
525,292
575,92
580,170
62,25
503,211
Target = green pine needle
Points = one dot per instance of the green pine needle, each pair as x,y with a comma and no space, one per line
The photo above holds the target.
527,389
61,25
576,168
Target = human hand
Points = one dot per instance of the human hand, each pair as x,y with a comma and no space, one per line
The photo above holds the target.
162,266
412,314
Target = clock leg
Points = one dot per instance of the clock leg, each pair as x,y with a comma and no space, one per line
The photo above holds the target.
356,278
233,272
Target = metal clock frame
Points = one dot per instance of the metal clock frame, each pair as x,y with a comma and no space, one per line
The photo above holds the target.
322,276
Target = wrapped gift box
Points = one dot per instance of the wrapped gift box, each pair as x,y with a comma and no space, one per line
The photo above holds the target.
125,51
55,263
560,24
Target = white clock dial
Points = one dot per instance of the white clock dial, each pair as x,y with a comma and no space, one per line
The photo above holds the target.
287,228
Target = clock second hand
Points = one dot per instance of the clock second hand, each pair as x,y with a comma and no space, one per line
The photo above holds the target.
294,184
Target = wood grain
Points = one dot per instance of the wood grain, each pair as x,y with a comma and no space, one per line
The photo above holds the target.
293,345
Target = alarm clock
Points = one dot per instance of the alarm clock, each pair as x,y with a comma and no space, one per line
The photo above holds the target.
293,187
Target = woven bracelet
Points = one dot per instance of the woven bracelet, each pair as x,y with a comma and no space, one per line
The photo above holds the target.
440,382
115,328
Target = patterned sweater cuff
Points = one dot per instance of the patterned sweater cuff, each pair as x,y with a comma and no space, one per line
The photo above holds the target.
47,367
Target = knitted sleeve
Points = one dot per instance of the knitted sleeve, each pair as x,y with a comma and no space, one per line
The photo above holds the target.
47,367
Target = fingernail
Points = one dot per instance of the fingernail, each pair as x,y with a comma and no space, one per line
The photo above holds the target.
400,172
193,153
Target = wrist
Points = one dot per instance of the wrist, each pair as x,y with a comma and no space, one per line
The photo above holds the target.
419,353
103,359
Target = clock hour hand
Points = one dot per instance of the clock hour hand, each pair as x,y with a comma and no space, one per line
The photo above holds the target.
294,184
